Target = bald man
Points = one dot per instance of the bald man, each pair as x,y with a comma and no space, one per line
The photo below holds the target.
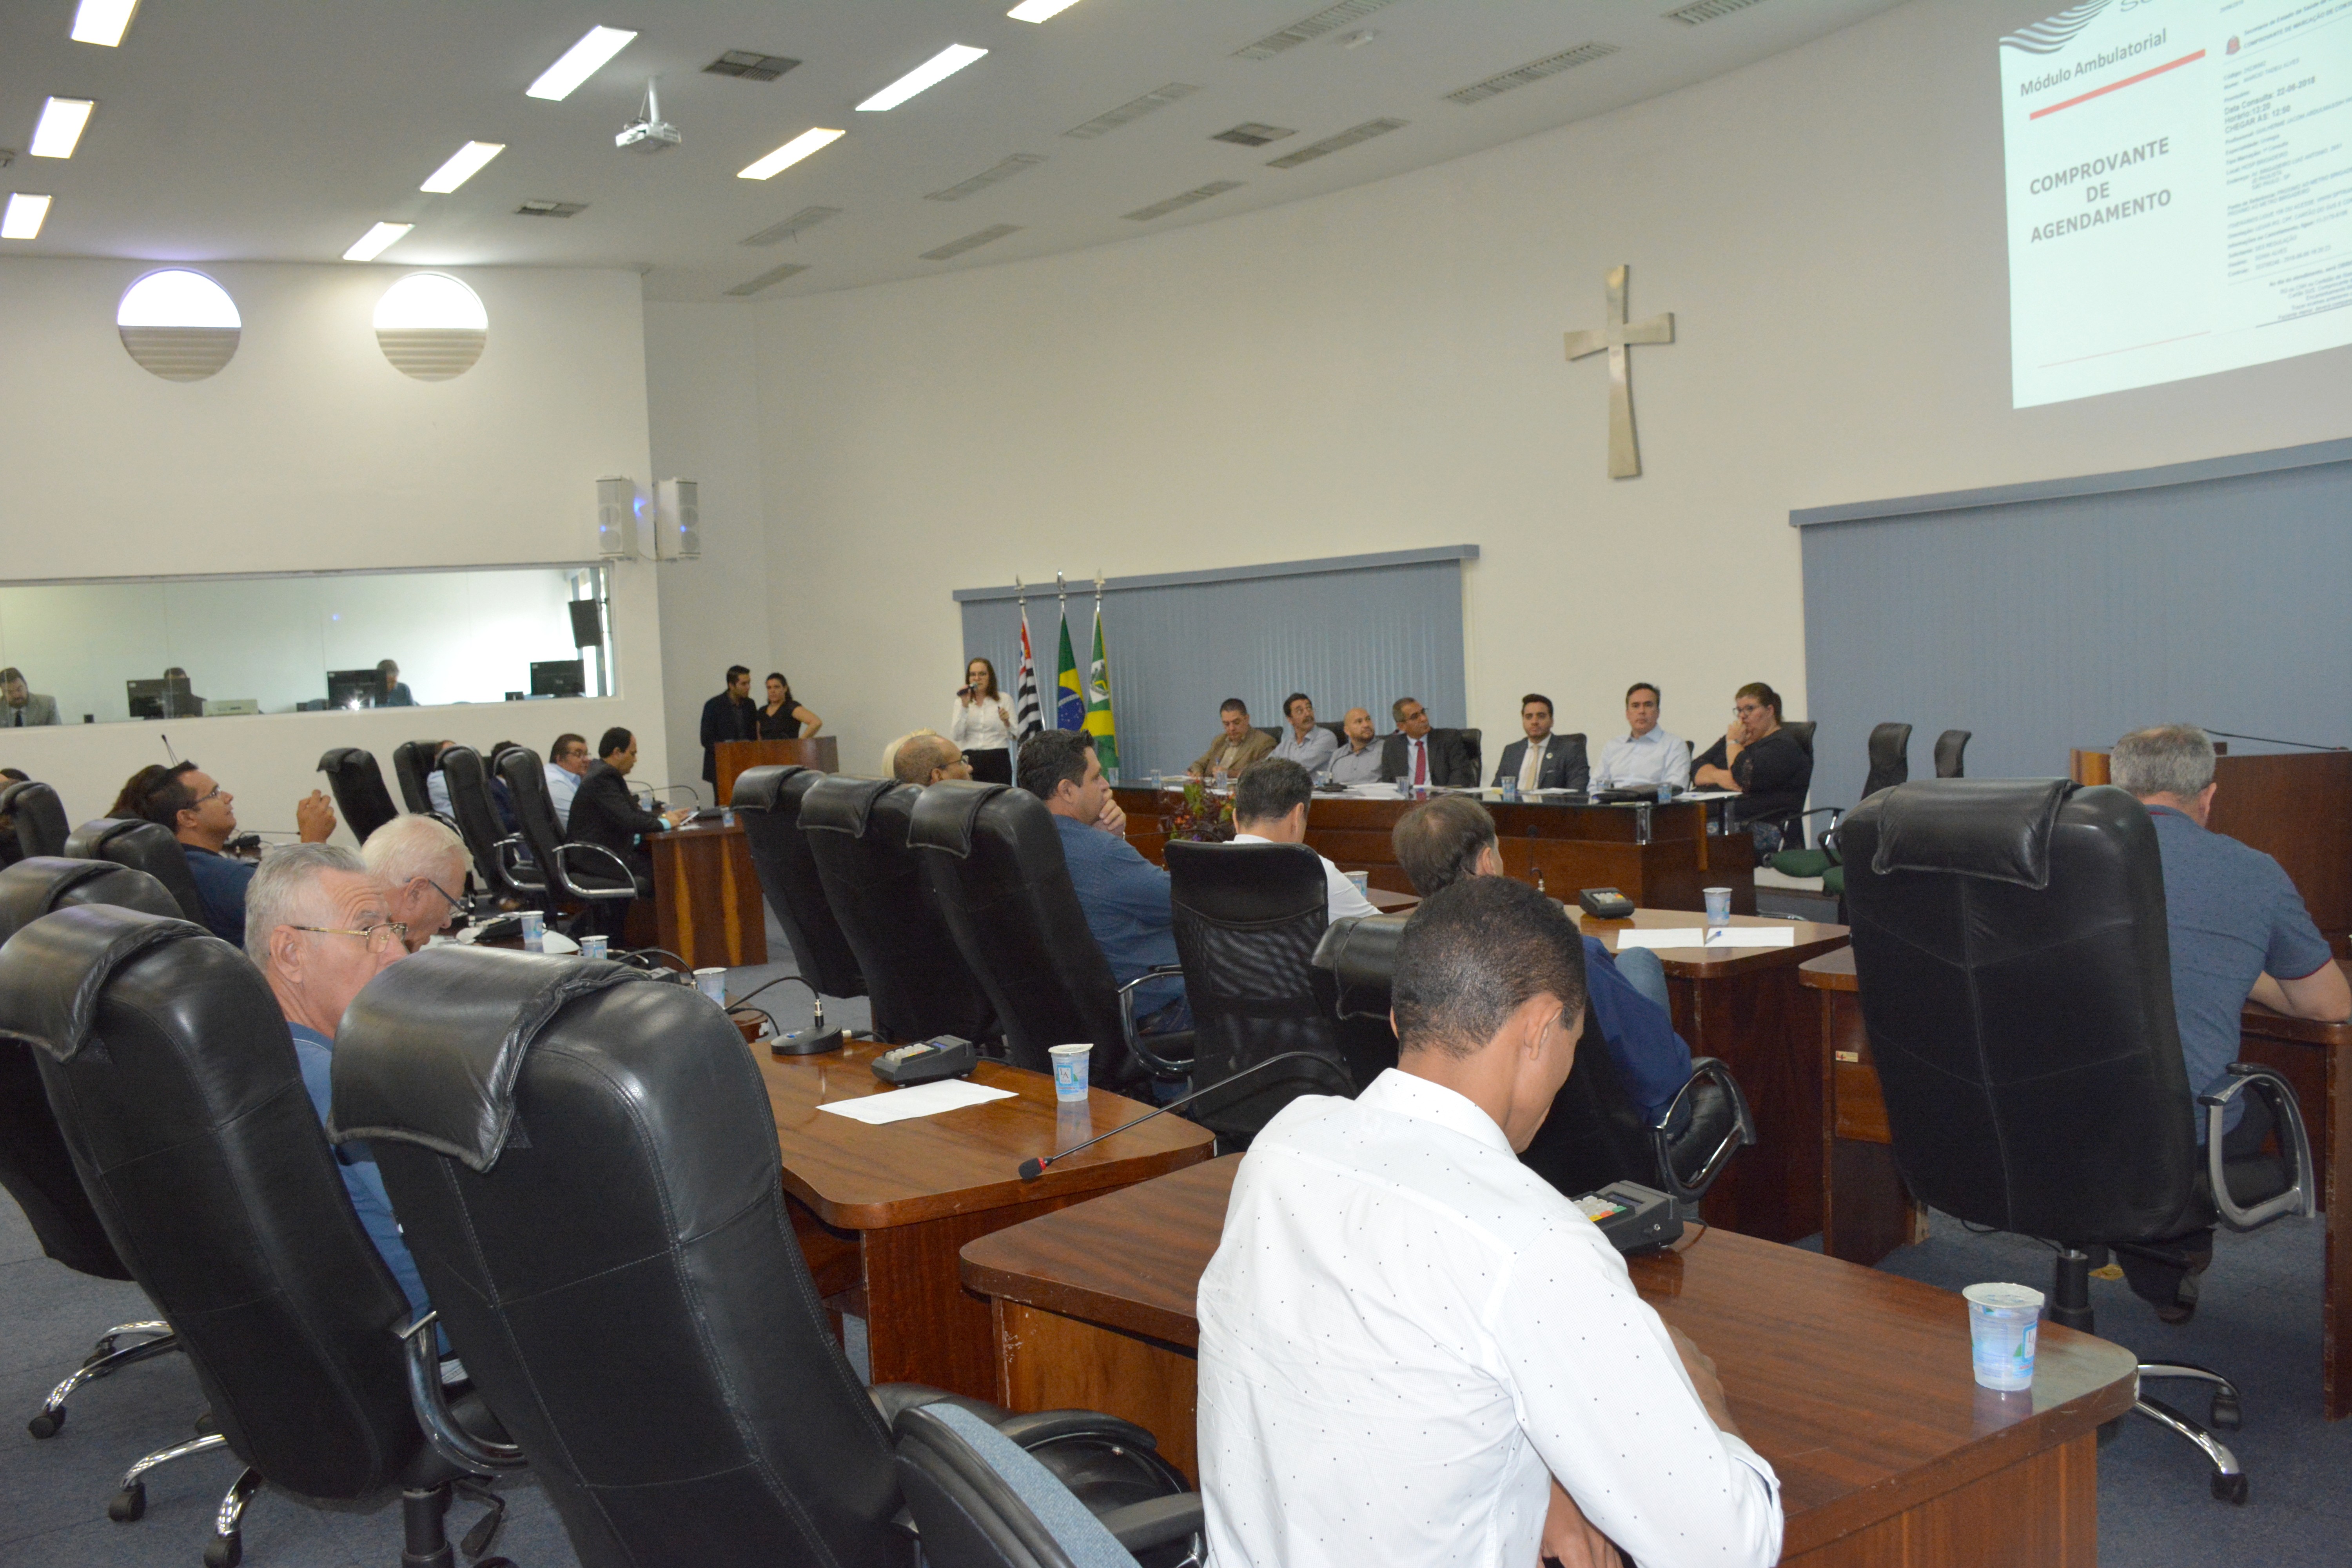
1357,760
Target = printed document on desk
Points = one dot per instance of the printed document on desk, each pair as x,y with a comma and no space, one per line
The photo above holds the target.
921,1100
1670,937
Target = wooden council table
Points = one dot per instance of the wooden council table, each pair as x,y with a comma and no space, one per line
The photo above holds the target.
1745,1005
707,896
1856,1385
881,1211
1658,856
1867,1211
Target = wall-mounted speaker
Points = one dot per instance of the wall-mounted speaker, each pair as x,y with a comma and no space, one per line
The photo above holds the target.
679,528
587,624
616,519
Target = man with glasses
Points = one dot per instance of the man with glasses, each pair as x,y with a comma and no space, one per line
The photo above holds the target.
567,764
319,928
421,866
202,816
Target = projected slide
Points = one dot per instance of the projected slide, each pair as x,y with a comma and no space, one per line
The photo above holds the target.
2180,190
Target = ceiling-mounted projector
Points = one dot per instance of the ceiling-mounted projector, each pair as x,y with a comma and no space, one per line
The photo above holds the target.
649,132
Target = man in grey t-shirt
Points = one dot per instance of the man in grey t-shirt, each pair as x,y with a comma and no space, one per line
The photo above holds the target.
2238,928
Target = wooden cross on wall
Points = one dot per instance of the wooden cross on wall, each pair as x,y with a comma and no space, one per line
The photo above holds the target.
1617,336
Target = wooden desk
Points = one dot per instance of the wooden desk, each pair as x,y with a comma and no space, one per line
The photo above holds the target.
1573,847
1856,1385
1867,1211
707,896
881,1211
1744,1005
821,753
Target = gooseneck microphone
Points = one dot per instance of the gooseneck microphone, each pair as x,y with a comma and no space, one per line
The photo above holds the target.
1034,1167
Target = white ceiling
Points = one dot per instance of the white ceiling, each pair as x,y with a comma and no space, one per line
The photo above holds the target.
279,130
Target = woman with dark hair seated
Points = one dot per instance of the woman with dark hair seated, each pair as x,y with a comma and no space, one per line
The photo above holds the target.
1765,766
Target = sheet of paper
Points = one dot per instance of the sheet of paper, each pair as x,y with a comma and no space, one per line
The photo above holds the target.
922,1099
1661,936
1699,936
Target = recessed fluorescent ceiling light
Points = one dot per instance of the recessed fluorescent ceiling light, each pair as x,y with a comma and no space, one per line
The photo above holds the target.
463,166
102,21
376,241
581,61
1039,10
60,127
23,218
931,72
791,153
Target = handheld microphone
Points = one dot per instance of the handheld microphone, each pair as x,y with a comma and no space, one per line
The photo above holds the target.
1034,1167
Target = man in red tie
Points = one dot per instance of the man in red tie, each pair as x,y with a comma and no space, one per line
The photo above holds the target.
1419,755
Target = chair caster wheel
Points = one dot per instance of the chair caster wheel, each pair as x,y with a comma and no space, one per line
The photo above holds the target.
2226,1415
128,1504
2231,1488
224,1552
47,1424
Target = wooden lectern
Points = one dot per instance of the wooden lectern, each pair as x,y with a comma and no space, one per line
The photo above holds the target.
822,753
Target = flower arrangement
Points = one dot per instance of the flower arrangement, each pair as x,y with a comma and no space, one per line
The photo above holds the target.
1201,819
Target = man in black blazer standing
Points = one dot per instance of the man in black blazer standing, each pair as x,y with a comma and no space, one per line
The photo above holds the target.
1417,754
1559,761
727,717
603,814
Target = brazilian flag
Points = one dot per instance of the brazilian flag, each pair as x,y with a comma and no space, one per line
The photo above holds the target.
1070,701
1100,723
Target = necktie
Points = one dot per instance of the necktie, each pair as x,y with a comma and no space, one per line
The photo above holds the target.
1420,763
1531,766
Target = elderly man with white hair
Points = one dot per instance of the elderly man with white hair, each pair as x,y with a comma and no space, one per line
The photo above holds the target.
421,864
319,925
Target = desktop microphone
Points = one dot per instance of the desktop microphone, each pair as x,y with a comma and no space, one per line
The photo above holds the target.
2272,740
173,755
1034,1167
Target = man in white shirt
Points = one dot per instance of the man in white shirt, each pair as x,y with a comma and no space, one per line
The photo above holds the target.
1648,755
1413,1351
1270,808
1308,744
565,769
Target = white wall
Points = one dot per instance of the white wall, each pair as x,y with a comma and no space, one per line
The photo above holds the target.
1382,368
310,453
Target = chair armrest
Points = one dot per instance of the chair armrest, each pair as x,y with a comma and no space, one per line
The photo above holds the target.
1740,1135
430,1401
1163,1066
1038,1426
1156,1522
628,889
2294,1148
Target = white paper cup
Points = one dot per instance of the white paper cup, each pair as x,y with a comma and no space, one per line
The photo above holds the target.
1718,906
1363,880
712,983
1070,1070
594,946
534,932
2003,1320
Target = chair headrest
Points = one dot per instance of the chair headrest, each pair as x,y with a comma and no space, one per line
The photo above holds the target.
53,973
1361,952
40,883
429,1053
336,757
1999,829
464,765
838,804
945,813
758,789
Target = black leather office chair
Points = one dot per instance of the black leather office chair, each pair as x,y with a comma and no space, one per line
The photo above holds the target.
767,801
995,864
1889,752
176,1087
585,1166
34,1164
497,853
39,817
915,976
981,1501
412,764
1802,732
1890,758
2016,980
143,846
1247,919
357,785
1596,1134
585,874
1952,752
1471,740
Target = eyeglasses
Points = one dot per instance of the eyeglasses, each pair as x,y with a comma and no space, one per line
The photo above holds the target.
438,889
202,798
380,937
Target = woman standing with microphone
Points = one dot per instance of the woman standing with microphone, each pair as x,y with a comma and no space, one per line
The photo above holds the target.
982,724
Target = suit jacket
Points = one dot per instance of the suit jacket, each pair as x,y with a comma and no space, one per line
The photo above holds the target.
38,709
1449,759
1257,744
724,718
603,815
1563,766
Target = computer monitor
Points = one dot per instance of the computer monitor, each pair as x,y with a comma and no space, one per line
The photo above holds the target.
559,677
167,698
353,688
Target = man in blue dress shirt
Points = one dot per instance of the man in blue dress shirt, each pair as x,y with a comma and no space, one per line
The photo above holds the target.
202,815
1125,897
316,924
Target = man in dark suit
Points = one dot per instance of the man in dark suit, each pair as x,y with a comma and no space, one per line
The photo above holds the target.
1417,754
1559,761
605,814
730,716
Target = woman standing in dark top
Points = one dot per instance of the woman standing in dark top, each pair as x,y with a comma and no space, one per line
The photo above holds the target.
1766,765
783,718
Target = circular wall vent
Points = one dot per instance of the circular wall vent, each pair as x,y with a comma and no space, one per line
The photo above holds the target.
178,324
431,326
